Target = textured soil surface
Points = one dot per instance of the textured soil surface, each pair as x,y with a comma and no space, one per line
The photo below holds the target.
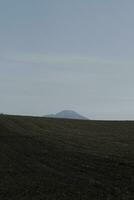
42,158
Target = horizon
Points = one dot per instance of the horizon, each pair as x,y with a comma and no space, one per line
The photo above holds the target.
64,55
86,118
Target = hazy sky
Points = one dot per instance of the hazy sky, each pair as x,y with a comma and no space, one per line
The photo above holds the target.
67,54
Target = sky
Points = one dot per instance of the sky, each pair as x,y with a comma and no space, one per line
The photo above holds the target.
67,54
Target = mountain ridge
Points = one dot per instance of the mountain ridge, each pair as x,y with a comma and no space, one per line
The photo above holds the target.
67,114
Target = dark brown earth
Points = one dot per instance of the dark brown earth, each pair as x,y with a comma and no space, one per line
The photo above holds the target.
57,159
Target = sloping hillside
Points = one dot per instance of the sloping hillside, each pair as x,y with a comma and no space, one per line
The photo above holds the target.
57,159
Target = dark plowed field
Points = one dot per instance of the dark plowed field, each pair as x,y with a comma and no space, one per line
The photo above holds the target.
56,159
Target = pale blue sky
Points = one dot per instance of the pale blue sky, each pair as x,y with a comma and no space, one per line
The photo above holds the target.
67,54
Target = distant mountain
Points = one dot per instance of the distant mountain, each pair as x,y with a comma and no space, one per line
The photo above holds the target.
67,114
